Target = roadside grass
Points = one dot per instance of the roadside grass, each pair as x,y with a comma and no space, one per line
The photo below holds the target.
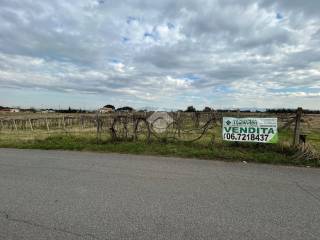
280,153
210,146
314,139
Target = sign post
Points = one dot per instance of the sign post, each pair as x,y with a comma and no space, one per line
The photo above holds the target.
261,130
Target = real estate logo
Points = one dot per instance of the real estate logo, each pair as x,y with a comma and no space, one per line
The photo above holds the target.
160,121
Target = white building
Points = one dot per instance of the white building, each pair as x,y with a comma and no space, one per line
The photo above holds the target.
14,110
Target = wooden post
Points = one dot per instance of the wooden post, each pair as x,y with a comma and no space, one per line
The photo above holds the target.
30,123
98,127
179,124
47,125
197,123
15,125
64,123
296,133
81,121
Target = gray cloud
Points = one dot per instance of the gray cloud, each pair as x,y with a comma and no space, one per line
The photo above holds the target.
305,7
162,51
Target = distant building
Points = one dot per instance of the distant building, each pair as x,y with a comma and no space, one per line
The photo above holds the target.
48,111
107,109
9,110
14,110
5,110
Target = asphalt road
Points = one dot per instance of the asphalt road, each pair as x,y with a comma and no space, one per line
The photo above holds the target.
79,195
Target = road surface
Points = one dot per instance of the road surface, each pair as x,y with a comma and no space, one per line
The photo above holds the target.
80,195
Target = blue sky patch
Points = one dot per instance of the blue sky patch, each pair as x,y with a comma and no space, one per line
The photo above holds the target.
279,16
191,76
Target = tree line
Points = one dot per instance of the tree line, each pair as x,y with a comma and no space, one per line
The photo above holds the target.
291,110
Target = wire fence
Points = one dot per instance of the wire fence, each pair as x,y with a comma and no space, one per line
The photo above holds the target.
184,126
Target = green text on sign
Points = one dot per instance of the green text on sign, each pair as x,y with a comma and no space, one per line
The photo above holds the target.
263,130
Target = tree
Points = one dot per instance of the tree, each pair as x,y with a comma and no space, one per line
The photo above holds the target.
191,109
207,109
110,106
125,109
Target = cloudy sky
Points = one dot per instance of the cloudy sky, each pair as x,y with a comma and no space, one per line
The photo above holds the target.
228,53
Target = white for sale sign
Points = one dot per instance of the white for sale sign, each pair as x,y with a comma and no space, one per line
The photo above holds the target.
262,130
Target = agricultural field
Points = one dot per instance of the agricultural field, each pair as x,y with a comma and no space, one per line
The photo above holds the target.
197,135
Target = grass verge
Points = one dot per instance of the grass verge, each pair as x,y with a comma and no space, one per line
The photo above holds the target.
251,152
